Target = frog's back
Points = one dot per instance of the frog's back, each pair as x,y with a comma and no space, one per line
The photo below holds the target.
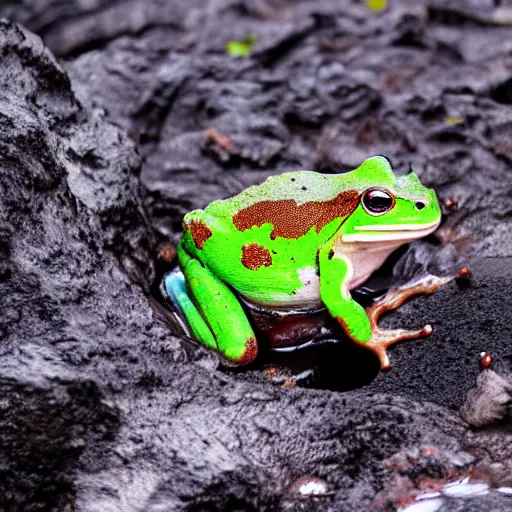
299,186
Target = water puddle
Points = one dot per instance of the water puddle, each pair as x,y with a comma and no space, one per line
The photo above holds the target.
461,489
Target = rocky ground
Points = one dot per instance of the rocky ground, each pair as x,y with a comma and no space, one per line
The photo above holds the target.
104,147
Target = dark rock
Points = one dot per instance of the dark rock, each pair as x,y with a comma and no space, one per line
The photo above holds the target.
489,402
466,321
71,219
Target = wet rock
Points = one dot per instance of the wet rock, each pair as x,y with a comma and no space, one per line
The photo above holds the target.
103,407
70,214
489,402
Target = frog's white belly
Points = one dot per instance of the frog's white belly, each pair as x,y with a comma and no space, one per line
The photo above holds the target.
309,294
364,263
364,260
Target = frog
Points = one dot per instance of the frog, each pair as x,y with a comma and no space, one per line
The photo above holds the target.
300,239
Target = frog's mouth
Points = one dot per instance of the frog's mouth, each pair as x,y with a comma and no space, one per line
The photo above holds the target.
391,232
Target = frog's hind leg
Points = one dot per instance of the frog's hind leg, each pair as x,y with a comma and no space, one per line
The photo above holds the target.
211,310
175,288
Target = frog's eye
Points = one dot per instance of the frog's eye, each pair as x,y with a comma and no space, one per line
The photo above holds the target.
377,201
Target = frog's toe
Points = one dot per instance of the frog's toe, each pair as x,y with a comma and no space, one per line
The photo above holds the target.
426,331
382,339
425,285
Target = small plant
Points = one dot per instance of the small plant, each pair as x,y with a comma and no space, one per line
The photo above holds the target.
241,48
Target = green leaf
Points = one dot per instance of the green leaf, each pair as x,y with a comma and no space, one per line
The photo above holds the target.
241,48
376,5
453,120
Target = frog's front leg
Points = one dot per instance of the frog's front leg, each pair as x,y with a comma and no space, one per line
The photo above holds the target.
335,274
394,299
212,311
359,324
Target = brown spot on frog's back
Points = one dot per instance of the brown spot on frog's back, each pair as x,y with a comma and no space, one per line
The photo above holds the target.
293,221
199,231
255,256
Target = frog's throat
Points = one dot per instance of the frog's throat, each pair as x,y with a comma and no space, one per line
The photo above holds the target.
390,232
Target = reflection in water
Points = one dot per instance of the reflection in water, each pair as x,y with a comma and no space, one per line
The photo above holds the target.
463,489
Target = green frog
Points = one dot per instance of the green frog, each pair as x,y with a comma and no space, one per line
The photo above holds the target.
299,240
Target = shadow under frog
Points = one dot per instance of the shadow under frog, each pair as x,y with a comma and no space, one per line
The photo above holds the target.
275,266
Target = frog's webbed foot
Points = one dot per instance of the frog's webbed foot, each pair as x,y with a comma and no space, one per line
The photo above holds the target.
381,339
